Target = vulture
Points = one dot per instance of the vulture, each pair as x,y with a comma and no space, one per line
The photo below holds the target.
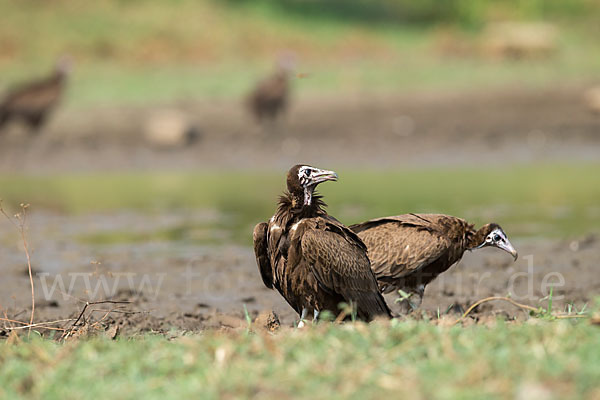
32,102
409,251
270,96
313,260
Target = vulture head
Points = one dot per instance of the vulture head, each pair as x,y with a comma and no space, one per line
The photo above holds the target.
493,235
64,65
286,62
303,179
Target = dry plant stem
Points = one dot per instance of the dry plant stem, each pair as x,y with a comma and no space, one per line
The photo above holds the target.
13,321
508,299
92,303
43,325
103,317
21,227
6,319
340,317
115,310
570,316
112,310
68,332
30,275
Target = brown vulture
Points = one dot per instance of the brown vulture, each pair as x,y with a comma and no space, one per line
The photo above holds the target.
313,260
32,102
270,96
409,251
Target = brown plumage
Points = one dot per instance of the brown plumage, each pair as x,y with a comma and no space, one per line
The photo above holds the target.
313,260
270,96
409,251
32,102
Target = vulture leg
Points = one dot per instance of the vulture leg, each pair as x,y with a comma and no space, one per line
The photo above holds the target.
302,318
315,315
417,297
398,305
404,301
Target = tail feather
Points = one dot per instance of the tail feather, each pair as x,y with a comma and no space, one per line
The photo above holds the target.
372,305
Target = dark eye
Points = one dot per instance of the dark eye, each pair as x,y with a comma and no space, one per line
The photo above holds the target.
307,172
497,238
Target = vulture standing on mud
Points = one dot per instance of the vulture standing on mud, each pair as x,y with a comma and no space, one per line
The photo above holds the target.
32,102
313,260
270,96
409,251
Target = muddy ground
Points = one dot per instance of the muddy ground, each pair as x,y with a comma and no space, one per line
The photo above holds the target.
437,128
192,286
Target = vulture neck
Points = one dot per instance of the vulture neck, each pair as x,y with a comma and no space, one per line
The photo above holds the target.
474,238
292,207
60,76
282,74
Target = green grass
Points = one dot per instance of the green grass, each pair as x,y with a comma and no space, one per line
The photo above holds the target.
401,359
537,200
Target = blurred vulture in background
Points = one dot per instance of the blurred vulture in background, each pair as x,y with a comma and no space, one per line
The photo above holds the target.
409,251
313,260
269,99
32,102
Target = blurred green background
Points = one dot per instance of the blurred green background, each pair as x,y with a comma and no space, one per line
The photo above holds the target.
549,201
514,142
145,51
148,52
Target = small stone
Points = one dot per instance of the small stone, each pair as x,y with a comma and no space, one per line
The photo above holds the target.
268,321
592,99
170,129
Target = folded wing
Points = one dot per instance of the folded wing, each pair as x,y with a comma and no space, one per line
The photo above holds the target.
337,258
403,244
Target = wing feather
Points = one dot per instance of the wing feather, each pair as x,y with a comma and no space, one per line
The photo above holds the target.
403,244
339,262
262,257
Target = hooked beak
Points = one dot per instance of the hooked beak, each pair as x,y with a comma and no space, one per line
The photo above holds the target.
506,246
321,175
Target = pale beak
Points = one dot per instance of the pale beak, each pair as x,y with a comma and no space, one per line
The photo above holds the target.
506,246
321,175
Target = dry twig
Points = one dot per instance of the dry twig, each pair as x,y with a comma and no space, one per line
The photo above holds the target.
22,218
41,324
69,332
511,301
19,221
493,298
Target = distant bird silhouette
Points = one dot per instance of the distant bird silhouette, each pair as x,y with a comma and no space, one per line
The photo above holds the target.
269,99
32,102
409,251
313,260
